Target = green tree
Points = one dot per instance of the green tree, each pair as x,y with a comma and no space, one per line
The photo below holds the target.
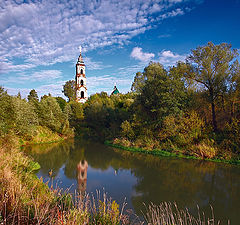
32,95
149,73
6,112
210,66
69,90
162,95
24,117
51,115
62,102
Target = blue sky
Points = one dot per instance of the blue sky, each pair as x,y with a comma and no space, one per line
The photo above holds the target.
39,40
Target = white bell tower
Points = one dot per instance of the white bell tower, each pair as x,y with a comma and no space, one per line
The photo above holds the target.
81,89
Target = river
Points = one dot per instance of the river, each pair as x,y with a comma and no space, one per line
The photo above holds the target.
87,165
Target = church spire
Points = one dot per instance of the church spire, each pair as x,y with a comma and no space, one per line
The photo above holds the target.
80,59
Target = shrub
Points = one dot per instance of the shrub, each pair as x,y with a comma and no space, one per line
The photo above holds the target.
127,130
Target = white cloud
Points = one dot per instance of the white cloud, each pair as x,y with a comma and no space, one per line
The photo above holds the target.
173,13
168,58
137,53
39,76
91,65
46,32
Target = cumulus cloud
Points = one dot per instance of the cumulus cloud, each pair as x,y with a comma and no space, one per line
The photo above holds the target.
168,58
46,32
137,53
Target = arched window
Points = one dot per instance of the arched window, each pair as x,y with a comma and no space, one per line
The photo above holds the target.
82,94
81,71
81,82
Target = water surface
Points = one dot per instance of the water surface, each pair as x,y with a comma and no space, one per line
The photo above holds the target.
89,166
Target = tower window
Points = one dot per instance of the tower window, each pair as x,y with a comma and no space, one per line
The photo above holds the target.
82,94
81,71
81,82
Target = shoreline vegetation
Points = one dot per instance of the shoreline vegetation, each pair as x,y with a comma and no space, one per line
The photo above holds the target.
165,153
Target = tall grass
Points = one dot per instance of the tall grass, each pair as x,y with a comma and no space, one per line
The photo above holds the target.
25,199
169,214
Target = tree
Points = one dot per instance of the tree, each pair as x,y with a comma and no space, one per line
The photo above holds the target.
62,102
210,66
69,90
19,95
7,116
162,95
149,73
33,95
51,115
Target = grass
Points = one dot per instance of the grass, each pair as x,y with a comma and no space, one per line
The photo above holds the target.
41,135
165,153
169,214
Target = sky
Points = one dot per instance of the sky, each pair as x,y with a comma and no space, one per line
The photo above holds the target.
40,39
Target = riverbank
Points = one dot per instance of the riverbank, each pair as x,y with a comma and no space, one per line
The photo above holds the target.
165,153
25,199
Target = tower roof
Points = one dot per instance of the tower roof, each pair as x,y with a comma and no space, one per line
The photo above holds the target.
115,91
80,59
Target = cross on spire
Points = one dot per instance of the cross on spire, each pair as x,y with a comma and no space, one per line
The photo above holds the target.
80,48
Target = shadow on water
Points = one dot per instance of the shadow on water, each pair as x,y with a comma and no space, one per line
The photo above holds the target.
86,165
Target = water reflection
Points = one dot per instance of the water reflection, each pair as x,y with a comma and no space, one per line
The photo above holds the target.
82,175
142,178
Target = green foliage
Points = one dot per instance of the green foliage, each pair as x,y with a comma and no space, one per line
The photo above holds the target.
6,112
212,67
62,102
51,115
127,130
25,117
33,96
163,94
104,115
108,213
69,90
150,72
77,110
231,140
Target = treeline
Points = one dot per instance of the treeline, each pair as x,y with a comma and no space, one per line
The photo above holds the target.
33,121
192,108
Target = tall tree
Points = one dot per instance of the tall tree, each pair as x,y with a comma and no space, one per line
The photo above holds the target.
149,73
69,90
32,95
210,66
162,95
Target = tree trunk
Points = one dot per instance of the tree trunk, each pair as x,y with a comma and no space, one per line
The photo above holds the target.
214,117
213,111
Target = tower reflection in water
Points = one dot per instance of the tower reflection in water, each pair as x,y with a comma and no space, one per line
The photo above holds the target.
82,175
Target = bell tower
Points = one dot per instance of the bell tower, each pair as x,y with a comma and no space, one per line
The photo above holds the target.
81,89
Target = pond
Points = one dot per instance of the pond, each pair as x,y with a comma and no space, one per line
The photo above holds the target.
89,166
